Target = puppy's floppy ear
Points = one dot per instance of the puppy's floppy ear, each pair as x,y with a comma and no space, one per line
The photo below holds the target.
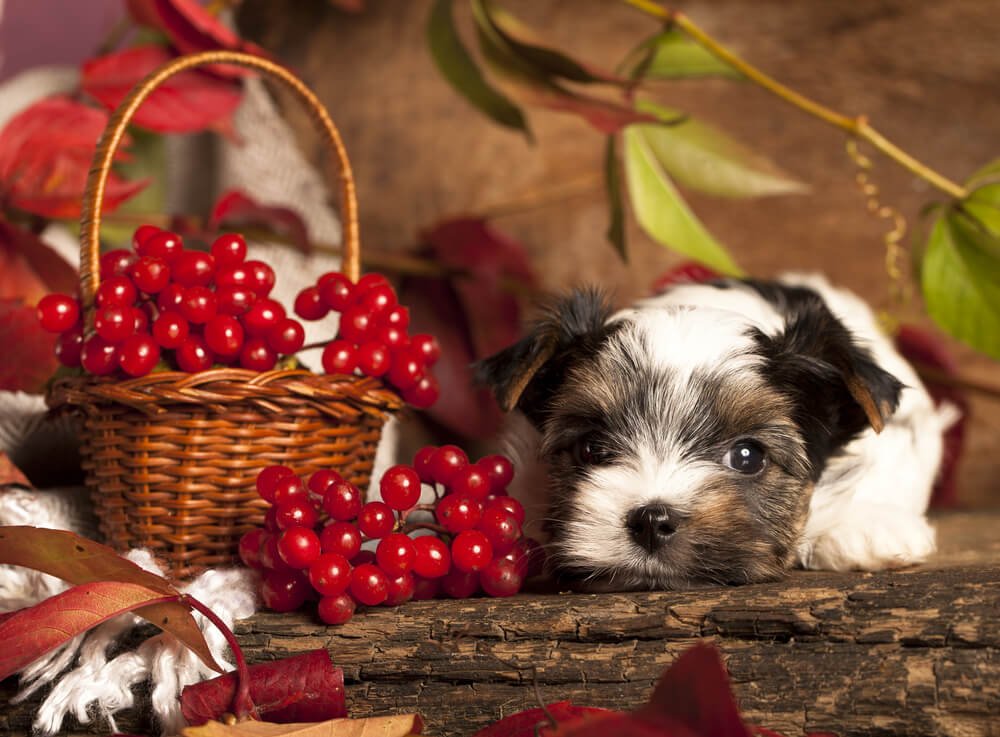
839,387
526,374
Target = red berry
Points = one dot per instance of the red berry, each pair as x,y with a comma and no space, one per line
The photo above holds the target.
499,470
298,547
377,300
170,297
289,489
407,368
260,277
471,551
397,317
425,588
457,513
98,356
460,584
376,519
342,501
270,522
267,480
433,559
224,336
234,300
422,463
257,355
391,336
501,578
339,357
114,323
250,545
446,462
142,234
501,528
369,585
424,394
373,358
335,290
309,305
295,513
395,554
356,324
528,556
336,609
69,345
138,355
470,481
193,269
193,355
233,276
287,336
400,487
508,504
57,313
269,556
320,481
164,244
284,591
140,317
341,537
116,263
229,249
262,316
426,347
365,556
116,290
330,574
198,305
367,282
170,329
400,590
150,274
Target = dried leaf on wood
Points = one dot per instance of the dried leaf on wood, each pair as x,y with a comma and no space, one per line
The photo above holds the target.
235,209
537,722
394,726
27,360
303,688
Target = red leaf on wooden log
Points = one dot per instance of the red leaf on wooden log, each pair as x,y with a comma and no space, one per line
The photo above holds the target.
31,633
303,688
45,154
30,268
185,103
78,560
27,360
537,721
235,209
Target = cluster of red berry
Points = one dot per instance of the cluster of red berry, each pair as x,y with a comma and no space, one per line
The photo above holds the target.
311,542
372,338
206,308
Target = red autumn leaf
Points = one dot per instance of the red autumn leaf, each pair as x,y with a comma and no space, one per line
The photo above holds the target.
30,268
625,725
45,155
185,103
28,358
11,474
536,722
235,209
302,688
77,560
37,630
351,6
926,350
689,272
191,29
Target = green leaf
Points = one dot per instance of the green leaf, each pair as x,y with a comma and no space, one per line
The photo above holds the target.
613,183
989,174
960,278
700,156
458,67
673,55
661,211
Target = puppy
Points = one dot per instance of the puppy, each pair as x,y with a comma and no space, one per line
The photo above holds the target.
718,433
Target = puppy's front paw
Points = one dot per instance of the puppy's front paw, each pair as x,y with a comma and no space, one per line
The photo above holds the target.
868,538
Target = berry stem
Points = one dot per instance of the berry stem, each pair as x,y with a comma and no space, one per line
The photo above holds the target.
243,706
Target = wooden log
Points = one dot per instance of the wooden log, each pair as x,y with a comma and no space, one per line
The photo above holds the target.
914,652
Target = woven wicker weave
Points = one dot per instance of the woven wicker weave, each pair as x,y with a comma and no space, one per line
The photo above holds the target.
171,458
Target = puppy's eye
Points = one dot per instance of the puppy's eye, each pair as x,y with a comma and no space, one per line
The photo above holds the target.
746,456
588,451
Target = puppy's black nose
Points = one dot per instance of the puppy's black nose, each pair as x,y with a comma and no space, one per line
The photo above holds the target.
650,526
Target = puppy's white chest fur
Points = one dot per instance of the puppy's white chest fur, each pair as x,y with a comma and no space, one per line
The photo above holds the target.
719,432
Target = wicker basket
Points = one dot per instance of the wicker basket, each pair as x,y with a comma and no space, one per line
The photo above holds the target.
171,458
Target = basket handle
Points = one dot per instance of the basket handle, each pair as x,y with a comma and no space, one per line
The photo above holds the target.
93,194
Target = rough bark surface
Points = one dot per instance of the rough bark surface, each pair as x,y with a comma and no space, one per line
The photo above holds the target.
909,652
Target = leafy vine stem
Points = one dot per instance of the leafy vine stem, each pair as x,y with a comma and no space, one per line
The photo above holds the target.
856,126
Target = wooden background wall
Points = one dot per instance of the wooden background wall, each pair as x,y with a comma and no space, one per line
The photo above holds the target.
926,73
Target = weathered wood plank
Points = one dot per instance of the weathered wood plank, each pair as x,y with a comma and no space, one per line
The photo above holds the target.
913,652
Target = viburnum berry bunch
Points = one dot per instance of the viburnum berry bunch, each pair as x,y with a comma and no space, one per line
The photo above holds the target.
372,338
469,539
